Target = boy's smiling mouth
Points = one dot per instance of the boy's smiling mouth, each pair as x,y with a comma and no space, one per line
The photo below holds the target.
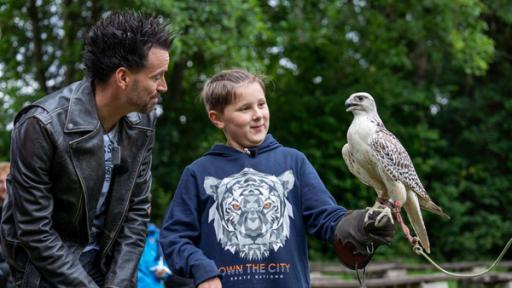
258,127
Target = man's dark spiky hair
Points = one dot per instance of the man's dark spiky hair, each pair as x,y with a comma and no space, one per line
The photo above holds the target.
123,39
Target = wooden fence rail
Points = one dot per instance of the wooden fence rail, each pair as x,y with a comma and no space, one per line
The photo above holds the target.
391,274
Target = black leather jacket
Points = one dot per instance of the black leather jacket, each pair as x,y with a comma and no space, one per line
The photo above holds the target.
57,172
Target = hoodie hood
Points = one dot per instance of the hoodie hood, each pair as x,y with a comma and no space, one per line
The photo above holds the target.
223,150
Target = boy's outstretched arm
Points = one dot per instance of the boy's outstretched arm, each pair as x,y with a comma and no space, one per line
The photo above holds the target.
353,232
181,233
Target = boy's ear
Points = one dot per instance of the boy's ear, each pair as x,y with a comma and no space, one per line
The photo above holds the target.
216,119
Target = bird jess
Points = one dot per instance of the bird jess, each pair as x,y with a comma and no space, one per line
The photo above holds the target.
378,159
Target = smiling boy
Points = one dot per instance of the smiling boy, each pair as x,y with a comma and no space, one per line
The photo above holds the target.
241,212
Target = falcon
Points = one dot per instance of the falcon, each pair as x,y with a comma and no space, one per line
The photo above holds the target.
378,159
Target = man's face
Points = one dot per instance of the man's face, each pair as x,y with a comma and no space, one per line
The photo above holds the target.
148,83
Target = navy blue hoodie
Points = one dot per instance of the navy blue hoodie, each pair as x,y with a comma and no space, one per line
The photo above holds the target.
244,217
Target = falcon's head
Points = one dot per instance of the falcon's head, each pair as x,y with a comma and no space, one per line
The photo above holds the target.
361,102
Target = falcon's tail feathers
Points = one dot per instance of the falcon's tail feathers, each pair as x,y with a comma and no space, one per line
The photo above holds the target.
430,206
413,210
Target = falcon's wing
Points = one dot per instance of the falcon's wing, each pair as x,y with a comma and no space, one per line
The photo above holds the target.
396,162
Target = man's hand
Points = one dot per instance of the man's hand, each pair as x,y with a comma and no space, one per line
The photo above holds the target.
211,283
366,229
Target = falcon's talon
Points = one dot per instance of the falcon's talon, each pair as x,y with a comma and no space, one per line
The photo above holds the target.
369,212
383,212
370,248
380,221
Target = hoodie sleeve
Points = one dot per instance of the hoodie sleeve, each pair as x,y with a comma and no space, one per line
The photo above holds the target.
181,232
320,211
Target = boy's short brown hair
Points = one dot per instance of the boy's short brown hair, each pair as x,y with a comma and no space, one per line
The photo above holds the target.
221,89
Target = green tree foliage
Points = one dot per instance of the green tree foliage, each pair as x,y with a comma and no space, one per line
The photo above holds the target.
437,69
40,50
476,168
411,57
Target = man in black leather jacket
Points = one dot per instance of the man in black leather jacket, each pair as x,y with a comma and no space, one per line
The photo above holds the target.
79,188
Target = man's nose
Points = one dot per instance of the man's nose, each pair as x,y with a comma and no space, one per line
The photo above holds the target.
162,85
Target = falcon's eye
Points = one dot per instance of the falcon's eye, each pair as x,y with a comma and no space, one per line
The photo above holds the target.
359,98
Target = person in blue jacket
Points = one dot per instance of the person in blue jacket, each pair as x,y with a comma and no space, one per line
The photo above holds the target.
240,214
152,270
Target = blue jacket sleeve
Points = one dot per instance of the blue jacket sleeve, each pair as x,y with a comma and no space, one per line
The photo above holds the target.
319,209
181,232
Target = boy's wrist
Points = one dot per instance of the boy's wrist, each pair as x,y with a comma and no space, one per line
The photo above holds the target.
204,271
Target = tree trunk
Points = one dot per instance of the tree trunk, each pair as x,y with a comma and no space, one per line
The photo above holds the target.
69,15
38,46
175,83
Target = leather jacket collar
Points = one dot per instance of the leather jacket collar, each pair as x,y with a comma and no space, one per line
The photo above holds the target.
82,115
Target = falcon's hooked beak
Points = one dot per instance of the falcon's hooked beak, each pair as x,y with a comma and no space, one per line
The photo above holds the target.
355,101
350,105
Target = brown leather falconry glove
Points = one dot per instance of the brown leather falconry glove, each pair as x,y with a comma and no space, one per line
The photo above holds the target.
360,232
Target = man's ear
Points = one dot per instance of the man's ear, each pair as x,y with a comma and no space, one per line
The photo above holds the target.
216,119
122,77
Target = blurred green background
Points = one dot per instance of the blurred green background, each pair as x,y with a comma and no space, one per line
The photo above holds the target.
440,71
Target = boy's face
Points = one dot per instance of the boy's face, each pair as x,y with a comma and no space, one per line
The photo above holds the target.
246,120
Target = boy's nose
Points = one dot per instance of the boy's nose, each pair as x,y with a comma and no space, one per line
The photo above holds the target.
257,114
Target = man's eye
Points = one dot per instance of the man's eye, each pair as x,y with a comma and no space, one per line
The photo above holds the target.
157,77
